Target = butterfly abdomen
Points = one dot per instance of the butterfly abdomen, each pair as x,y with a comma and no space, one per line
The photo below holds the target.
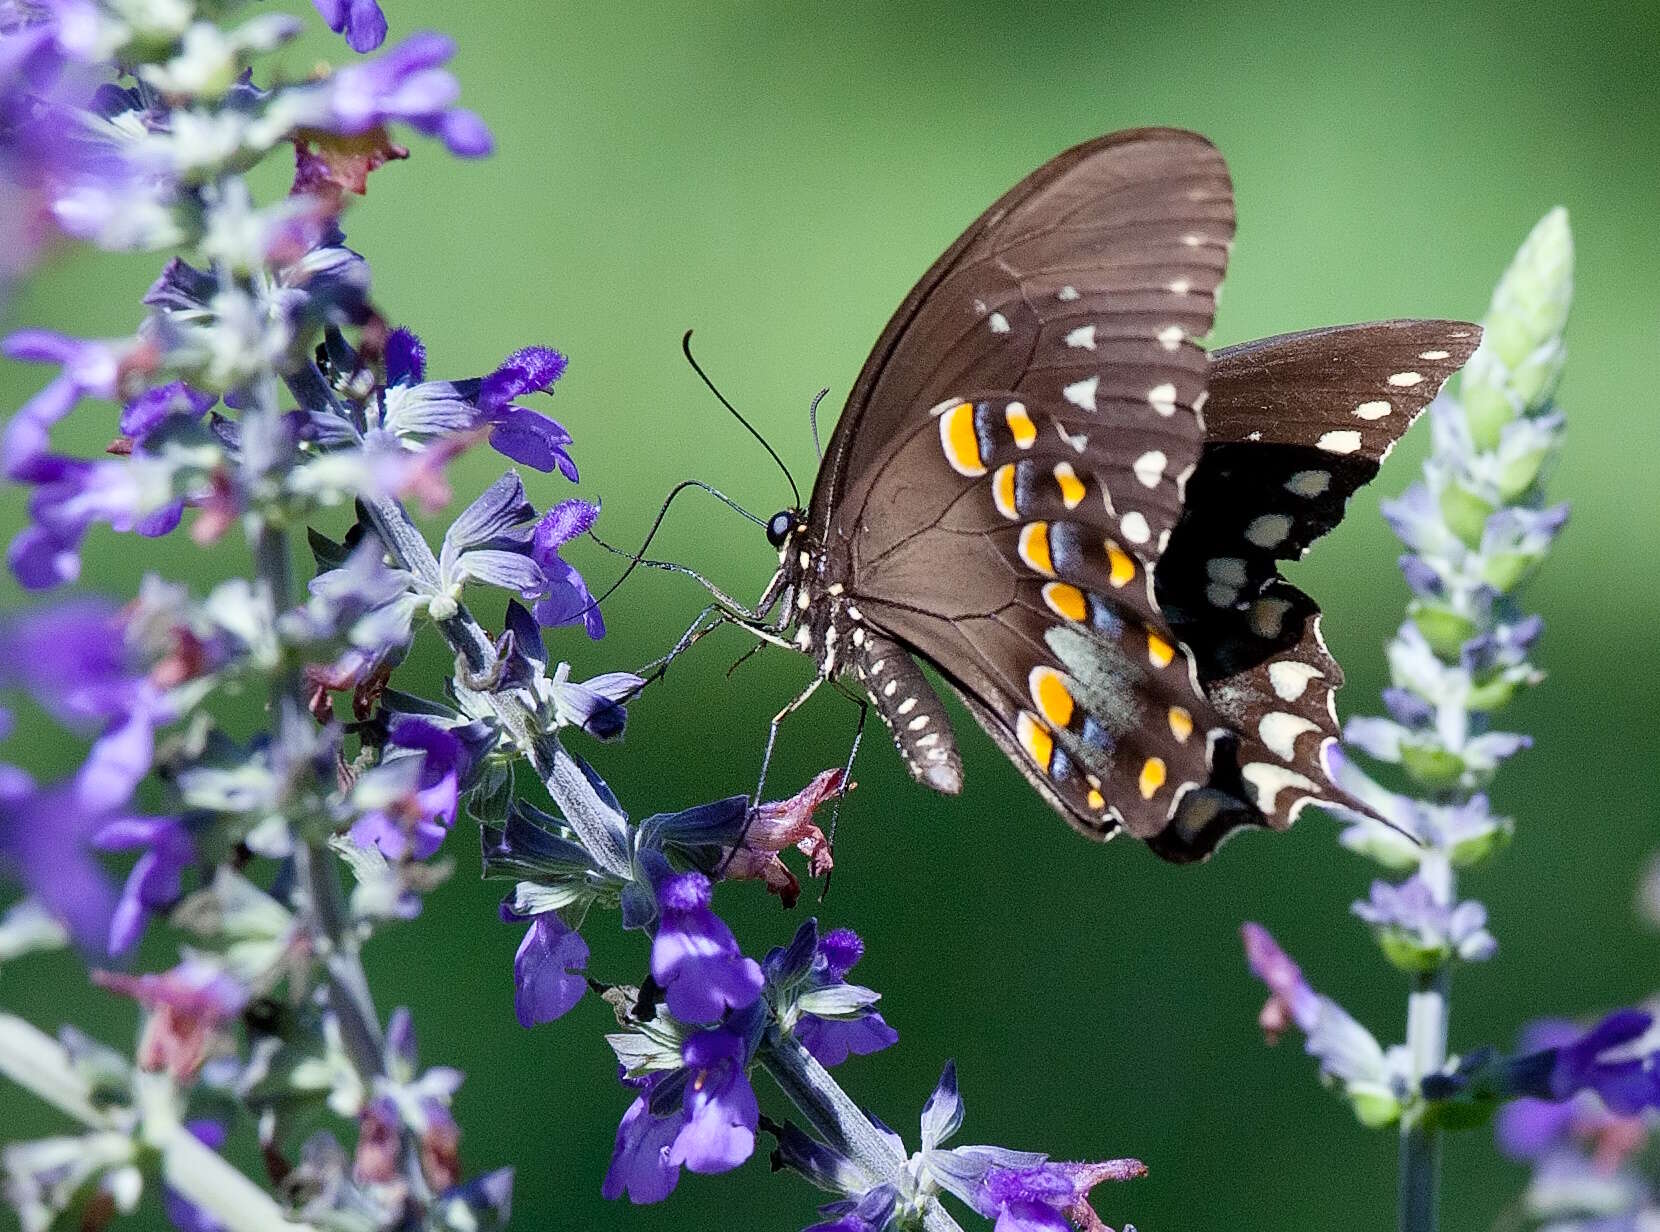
912,711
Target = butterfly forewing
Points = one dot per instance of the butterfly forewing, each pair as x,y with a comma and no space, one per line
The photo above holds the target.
1081,291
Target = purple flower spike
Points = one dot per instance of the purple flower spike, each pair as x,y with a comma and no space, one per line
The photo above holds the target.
361,21
695,956
548,970
721,1109
639,1160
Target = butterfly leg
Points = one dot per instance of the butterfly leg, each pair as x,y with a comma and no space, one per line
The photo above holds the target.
695,632
772,733
852,753
766,760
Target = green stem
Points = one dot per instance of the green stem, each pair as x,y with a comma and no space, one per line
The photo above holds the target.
1426,1042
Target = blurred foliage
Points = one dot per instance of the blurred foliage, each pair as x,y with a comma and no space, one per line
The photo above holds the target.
776,176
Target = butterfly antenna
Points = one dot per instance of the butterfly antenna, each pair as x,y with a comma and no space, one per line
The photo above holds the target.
686,347
636,559
732,609
812,418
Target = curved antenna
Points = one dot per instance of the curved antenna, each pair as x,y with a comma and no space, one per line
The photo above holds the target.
637,559
812,418
686,347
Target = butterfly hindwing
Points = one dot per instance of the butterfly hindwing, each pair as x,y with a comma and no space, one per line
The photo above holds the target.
1295,425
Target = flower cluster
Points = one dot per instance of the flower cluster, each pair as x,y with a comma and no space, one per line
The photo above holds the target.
1475,527
264,390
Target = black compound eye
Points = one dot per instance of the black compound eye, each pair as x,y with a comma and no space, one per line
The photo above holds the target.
779,528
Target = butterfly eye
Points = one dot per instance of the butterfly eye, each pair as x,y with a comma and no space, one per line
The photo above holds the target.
778,529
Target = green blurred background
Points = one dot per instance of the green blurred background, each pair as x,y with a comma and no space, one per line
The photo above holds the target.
776,175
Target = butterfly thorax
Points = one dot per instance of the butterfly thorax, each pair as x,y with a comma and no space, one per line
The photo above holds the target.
814,610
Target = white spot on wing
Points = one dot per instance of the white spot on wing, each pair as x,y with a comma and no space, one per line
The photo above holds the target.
1279,731
1290,678
1339,442
1405,379
1435,355
1228,569
1149,468
1135,527
1067,292
1082,393
1170,337
998,322
1180,286
1373,410
1264,781
1083,336
1269,530
1162,398
1308,484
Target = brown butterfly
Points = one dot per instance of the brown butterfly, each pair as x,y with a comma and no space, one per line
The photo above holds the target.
1046,489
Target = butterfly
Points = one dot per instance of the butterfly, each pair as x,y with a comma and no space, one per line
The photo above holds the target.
1044,488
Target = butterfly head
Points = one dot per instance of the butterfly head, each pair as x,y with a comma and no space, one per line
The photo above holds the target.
784,526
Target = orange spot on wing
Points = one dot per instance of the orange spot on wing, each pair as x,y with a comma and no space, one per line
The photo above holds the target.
1034,547
961,445
1121,565
1159,651
1065,601
1035,739
1152,777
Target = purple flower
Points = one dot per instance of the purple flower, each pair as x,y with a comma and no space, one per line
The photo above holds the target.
1419,932
1610,1059
518,432
73,659
1347,1051
77,494
88,369
189,1005
415,823
711,1130
639,1159
1540,1126
43,846
721,1110
1290,999
361,21
155,882
566,598
548,970
1049,1196
154,407
858,1032
695,957
405,84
